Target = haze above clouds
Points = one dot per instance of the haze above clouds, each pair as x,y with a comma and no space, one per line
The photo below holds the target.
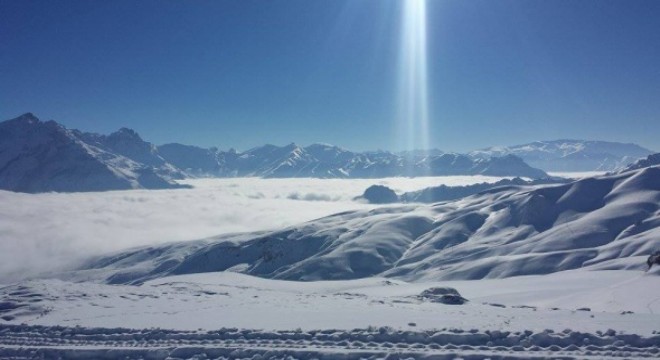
44,232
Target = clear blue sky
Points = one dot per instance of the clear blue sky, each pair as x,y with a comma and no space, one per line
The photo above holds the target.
241,73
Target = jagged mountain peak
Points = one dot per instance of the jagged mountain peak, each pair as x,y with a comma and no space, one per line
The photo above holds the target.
651,160
126,133
27,117
27,124
324,146
38,156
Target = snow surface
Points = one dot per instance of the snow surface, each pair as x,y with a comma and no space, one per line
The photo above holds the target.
226,299
572,314
562,275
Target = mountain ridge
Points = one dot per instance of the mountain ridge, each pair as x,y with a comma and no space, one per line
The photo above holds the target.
328,161
37,156
571,154
127,161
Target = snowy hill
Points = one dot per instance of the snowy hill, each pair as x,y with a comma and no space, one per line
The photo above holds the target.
327,161
608,222
571,155
38,156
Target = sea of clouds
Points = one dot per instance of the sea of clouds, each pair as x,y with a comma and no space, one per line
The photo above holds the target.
53,231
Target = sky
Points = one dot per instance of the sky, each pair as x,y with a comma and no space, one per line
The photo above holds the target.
242,73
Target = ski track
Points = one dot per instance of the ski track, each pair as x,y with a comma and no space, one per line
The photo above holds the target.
54,342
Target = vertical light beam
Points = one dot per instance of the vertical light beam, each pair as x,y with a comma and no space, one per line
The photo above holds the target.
413,78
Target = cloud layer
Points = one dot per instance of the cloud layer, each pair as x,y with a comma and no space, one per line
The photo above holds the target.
44,232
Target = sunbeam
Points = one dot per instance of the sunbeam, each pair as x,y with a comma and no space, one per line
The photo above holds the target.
413,78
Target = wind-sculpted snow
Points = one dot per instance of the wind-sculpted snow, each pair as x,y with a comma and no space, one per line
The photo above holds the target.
608,222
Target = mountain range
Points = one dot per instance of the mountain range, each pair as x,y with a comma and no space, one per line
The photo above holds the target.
327,161
570,155
37,156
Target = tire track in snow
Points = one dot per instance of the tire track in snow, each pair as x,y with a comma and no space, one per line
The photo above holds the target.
35,342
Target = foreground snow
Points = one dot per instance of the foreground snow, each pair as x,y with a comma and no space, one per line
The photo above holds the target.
569,314
32,342
561,269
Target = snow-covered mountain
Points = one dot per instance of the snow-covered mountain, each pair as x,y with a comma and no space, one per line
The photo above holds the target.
38,156
327,161
379,194
192,159
651,160
571,155
607,222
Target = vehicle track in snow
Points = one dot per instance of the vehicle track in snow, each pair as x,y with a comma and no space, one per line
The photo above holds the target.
55,342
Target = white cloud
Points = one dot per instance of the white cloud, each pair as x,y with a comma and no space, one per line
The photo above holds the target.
41,232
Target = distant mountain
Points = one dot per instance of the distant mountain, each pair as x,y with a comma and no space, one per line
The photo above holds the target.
38,156
191,159
379,194
571,155
606,222
651,160
327,161
126,142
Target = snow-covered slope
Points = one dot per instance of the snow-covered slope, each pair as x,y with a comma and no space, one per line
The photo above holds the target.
571,155
193,160
126,142
608,222
38,156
